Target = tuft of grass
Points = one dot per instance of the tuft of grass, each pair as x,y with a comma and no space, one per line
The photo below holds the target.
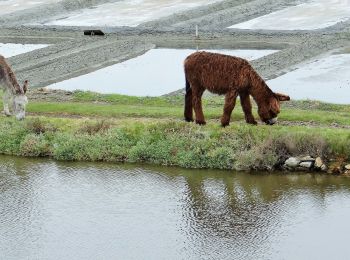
39,126
94,127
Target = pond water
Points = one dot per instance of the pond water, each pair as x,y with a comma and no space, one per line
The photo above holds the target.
56,210
12,49
157,72
325,79
10,6
315,14
126,12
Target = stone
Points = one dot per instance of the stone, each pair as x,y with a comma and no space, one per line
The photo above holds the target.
335,168
347,167
307,159
292,162
318,163
307,165
324,168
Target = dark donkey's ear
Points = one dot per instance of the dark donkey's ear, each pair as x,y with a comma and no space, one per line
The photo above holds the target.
282,97
25,86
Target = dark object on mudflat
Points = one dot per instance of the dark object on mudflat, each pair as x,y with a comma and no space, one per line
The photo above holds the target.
94,32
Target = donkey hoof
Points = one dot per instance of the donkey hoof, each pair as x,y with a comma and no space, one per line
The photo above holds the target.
225,124
200,122
252,122
188,119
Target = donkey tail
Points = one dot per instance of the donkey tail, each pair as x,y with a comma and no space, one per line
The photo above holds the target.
188,103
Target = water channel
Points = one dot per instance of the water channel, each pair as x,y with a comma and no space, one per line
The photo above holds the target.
60,210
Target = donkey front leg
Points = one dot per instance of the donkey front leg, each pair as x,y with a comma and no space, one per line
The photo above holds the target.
230,102
197,105
247,108
6,98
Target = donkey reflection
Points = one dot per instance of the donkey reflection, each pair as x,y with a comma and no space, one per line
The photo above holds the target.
240,207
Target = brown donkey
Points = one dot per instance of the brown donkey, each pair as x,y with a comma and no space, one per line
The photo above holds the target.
232,76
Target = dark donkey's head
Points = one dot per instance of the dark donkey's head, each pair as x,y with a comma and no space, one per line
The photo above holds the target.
269,111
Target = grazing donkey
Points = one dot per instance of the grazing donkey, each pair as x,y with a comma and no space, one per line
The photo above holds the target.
12,91
232,76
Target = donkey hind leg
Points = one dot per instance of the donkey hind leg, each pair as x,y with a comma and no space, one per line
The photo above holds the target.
230,102
197,105
188,103
6,103
247,108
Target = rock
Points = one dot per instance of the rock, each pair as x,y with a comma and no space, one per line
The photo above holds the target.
318,163
307,159
324,168
335,168
307,165
292,162
347,167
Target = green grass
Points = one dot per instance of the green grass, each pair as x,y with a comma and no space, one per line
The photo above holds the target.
176,111
119,106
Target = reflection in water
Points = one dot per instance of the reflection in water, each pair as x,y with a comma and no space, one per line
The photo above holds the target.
52,210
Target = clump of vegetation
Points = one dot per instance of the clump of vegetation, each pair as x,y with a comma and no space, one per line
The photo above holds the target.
34,145
38,126
94,127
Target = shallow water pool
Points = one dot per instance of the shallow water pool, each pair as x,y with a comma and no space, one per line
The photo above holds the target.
315,14
12,49
325,79
155,73
10,6
126,12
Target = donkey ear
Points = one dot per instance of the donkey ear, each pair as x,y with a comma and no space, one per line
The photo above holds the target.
282,97
25,86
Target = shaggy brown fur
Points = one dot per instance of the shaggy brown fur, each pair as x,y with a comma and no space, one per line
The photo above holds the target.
232,76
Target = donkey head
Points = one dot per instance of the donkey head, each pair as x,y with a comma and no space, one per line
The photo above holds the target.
268,113
20,101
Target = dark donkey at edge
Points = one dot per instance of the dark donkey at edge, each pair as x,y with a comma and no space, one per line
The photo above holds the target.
13,92
232,77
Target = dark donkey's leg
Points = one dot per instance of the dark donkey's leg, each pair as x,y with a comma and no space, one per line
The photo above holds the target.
6,98
197,93
230,102
188,103
247,108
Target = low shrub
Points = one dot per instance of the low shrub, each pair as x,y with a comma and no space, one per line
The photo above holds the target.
94,127
35,146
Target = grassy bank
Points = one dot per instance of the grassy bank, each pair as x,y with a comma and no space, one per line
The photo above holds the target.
150,130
